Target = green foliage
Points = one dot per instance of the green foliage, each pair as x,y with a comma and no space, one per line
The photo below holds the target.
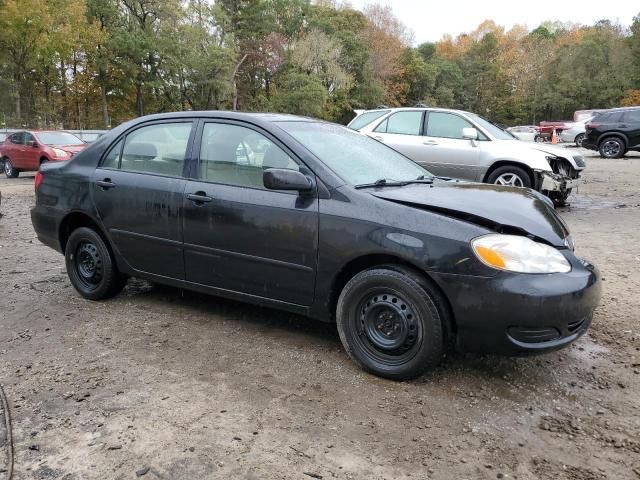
97,63
301,94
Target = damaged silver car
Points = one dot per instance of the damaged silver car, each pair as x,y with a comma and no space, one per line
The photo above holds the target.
463,145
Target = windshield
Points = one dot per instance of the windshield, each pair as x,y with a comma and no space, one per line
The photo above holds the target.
495,131
354,157
366,118
58,138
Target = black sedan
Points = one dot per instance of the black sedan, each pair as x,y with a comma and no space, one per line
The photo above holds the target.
314,218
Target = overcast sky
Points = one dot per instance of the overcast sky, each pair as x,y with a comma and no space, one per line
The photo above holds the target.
430,19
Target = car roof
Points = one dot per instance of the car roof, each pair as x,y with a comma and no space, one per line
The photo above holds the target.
419,109
231,115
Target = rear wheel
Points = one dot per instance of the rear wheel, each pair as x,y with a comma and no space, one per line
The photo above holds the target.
579,139
612,147
9,170
90,265
390,323
511,176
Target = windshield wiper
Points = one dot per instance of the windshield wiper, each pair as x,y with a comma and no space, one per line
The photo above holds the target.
383,182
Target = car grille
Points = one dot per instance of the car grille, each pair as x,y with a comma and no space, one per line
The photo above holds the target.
534,335
575,326
579,159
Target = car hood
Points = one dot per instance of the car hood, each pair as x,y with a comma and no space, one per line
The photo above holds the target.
518,145
70,148
502,209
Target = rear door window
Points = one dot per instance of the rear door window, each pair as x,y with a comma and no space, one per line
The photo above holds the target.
610,117
159,149
403,123
17,138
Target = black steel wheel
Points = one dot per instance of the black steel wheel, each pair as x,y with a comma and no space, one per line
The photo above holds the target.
612,147
90,265
9,170
391,323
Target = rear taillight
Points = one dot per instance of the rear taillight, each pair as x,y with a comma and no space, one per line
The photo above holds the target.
592,125
38,180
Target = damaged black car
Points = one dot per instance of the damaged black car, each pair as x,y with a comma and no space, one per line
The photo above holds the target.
311,217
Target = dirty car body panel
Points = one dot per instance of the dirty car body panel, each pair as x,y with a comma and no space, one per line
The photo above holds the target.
295,251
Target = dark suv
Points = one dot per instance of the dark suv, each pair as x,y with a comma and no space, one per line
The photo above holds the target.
614,132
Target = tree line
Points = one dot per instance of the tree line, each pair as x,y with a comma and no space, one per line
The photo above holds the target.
96,63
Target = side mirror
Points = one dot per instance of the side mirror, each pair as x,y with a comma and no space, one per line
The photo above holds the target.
285,179
32,143
469,133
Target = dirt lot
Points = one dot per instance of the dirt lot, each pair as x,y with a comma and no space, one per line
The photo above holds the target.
167,384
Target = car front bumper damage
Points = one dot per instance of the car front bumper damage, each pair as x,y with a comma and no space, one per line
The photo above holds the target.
520,314
555,182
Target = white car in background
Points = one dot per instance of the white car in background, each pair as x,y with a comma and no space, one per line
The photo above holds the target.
463,145
574,133
527,133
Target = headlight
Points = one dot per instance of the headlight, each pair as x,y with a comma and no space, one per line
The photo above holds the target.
519,254
59,153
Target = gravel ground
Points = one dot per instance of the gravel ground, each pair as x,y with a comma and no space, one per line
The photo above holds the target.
163,384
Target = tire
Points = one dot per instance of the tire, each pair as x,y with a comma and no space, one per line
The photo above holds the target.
90,265
579,139
511,176
612,147
9,170
560,198
538,139
409,338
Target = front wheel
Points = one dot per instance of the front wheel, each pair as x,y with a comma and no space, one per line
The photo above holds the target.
510,176
612,147
90,266
391,323
9,170
560,198
579,139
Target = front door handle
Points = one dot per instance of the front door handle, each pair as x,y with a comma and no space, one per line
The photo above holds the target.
379,138
105,184
199,198
429,142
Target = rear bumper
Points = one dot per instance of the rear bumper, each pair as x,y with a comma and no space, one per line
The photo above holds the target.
518,314
45,226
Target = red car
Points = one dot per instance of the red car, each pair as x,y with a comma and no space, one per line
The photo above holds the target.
26,151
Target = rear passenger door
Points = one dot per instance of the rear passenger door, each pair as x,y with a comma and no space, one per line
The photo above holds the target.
402,131
138,191
239,236
14,150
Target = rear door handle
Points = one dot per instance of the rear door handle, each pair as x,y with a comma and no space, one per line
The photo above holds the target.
105,184
429,142
379,138
199,197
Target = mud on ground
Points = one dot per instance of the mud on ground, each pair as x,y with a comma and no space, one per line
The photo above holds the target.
163,384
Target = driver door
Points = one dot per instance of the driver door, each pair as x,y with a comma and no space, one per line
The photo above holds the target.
239,236
452,155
